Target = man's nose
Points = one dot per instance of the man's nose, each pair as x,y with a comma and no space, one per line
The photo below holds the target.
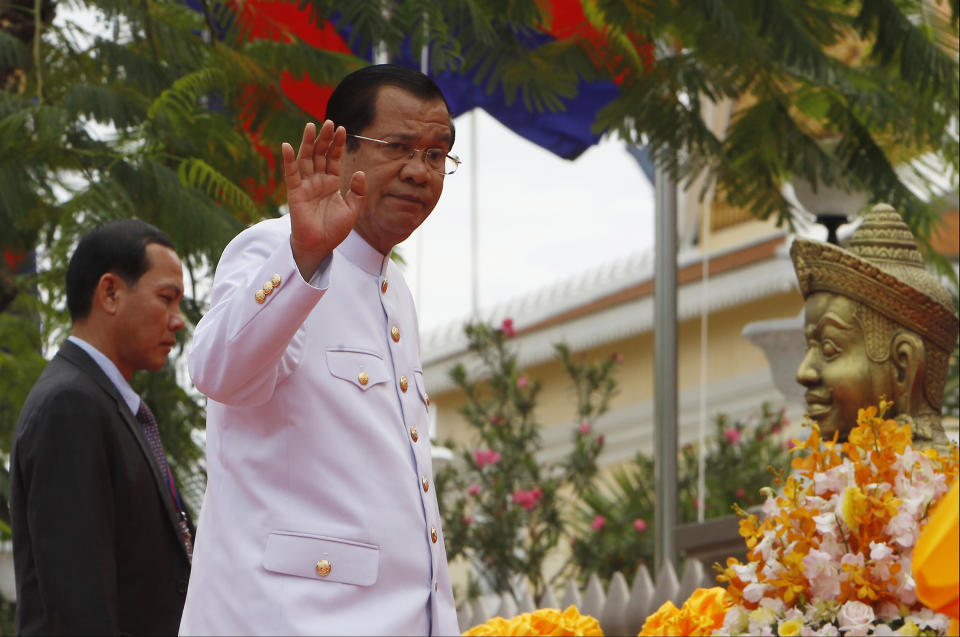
416,168
176,322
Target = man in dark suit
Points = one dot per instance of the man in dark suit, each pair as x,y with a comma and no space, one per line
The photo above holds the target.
101,543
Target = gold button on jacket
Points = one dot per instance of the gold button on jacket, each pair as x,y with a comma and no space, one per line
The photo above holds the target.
395,333
403,384
323,568
414,434
363,378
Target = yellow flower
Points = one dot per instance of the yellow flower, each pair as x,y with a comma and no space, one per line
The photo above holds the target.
763,615
544,621
701,614
910,629
660,623
790,628
852,506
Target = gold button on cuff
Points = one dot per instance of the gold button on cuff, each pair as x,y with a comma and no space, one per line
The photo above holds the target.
395,333
267,288
323,568
433,534
363,378
276,280
427,397
425,483
260,296
414,434
383,287
403,383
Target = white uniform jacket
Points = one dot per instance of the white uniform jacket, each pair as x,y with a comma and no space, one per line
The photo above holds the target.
320,515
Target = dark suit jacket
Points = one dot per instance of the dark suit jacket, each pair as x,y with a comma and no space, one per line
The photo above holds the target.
97,547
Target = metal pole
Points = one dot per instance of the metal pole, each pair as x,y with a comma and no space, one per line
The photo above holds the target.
665,366
474,220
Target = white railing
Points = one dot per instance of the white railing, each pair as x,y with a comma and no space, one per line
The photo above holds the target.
621,609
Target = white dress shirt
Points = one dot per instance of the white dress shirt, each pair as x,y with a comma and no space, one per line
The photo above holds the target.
320,515
129,396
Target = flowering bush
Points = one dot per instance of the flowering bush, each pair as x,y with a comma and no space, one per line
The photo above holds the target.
501,508
833,552
545,621
613,523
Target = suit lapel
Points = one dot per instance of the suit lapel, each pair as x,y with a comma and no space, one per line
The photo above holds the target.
81,359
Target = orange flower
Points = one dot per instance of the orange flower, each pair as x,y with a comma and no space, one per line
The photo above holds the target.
701,614
544,621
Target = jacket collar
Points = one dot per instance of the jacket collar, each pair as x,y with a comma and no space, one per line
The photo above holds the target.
363,255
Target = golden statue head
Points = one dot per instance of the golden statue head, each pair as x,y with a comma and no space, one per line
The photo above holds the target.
877,324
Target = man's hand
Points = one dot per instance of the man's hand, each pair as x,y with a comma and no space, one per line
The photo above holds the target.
320,217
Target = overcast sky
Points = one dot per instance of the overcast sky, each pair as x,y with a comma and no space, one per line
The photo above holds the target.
541,219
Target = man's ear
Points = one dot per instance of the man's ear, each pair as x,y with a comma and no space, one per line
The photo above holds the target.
907,355
106,294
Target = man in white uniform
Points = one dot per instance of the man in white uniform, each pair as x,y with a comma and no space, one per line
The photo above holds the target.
320,515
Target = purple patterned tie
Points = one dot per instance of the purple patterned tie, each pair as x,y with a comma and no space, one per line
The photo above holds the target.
152,432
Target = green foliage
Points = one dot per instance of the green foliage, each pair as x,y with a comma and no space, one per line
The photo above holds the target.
613,524
502,508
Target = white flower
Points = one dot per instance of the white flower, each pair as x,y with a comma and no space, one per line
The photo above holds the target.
746,572
879,551
855,618
903,528
929,618
753,591
776,605
735,622
822,573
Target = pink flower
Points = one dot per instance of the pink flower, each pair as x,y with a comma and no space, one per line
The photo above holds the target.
507,327
528,499
483,457
522,382
467,520
640,525
473,489
740,493
584,428
733,435
598,523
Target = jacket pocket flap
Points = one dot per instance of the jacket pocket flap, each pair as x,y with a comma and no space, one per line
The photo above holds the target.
362,369
322,558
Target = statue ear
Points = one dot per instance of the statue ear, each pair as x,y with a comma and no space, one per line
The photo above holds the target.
907,356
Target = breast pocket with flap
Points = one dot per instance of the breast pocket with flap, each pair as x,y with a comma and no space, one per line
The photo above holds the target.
322,558
362,368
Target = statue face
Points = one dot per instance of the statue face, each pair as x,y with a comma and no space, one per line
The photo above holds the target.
837,373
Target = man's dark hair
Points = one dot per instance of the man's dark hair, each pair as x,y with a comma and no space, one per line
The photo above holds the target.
353,103
117,246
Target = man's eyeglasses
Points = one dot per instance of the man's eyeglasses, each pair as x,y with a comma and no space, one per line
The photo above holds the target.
437,159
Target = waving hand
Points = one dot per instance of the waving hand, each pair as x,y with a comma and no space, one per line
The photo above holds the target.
320,217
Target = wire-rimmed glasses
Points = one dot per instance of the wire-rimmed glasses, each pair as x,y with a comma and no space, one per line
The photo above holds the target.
437,159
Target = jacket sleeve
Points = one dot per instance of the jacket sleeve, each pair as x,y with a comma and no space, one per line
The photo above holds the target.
64,465
243,347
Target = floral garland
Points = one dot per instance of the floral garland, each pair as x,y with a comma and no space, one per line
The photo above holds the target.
833,552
